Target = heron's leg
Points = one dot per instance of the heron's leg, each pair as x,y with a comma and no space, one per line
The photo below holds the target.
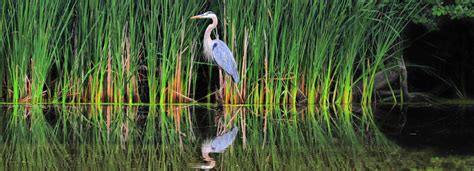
221,82
220,123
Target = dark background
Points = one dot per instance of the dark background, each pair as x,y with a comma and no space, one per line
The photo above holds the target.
441,61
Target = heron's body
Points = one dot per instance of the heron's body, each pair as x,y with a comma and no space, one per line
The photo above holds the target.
217,49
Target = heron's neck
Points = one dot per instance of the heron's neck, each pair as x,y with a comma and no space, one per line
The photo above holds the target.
212,26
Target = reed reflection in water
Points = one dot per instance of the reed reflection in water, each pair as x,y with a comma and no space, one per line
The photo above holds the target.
169,137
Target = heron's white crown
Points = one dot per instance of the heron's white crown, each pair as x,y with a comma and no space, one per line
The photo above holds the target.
208,14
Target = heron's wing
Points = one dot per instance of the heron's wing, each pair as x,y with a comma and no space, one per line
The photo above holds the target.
220,143
224,58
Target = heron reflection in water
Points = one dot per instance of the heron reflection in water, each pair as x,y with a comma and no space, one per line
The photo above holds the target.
216,145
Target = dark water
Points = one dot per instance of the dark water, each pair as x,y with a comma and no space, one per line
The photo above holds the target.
268,137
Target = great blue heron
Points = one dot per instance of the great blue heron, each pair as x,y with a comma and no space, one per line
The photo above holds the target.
216,49
216,145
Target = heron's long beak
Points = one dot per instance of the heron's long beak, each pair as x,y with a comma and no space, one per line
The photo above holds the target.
196,17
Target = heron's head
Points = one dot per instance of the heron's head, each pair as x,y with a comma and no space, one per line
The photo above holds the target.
208,14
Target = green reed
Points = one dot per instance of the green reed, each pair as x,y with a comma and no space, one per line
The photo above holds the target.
311,51
36,29
3,38
17,58
151,31
287,52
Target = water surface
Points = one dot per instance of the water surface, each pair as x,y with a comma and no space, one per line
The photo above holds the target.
269,137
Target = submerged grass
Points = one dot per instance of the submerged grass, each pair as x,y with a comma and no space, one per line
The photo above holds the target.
288,52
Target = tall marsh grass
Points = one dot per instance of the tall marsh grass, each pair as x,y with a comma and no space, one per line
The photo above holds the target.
288,52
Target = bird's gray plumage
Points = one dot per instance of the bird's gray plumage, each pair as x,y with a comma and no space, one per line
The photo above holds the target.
224,58
220,143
